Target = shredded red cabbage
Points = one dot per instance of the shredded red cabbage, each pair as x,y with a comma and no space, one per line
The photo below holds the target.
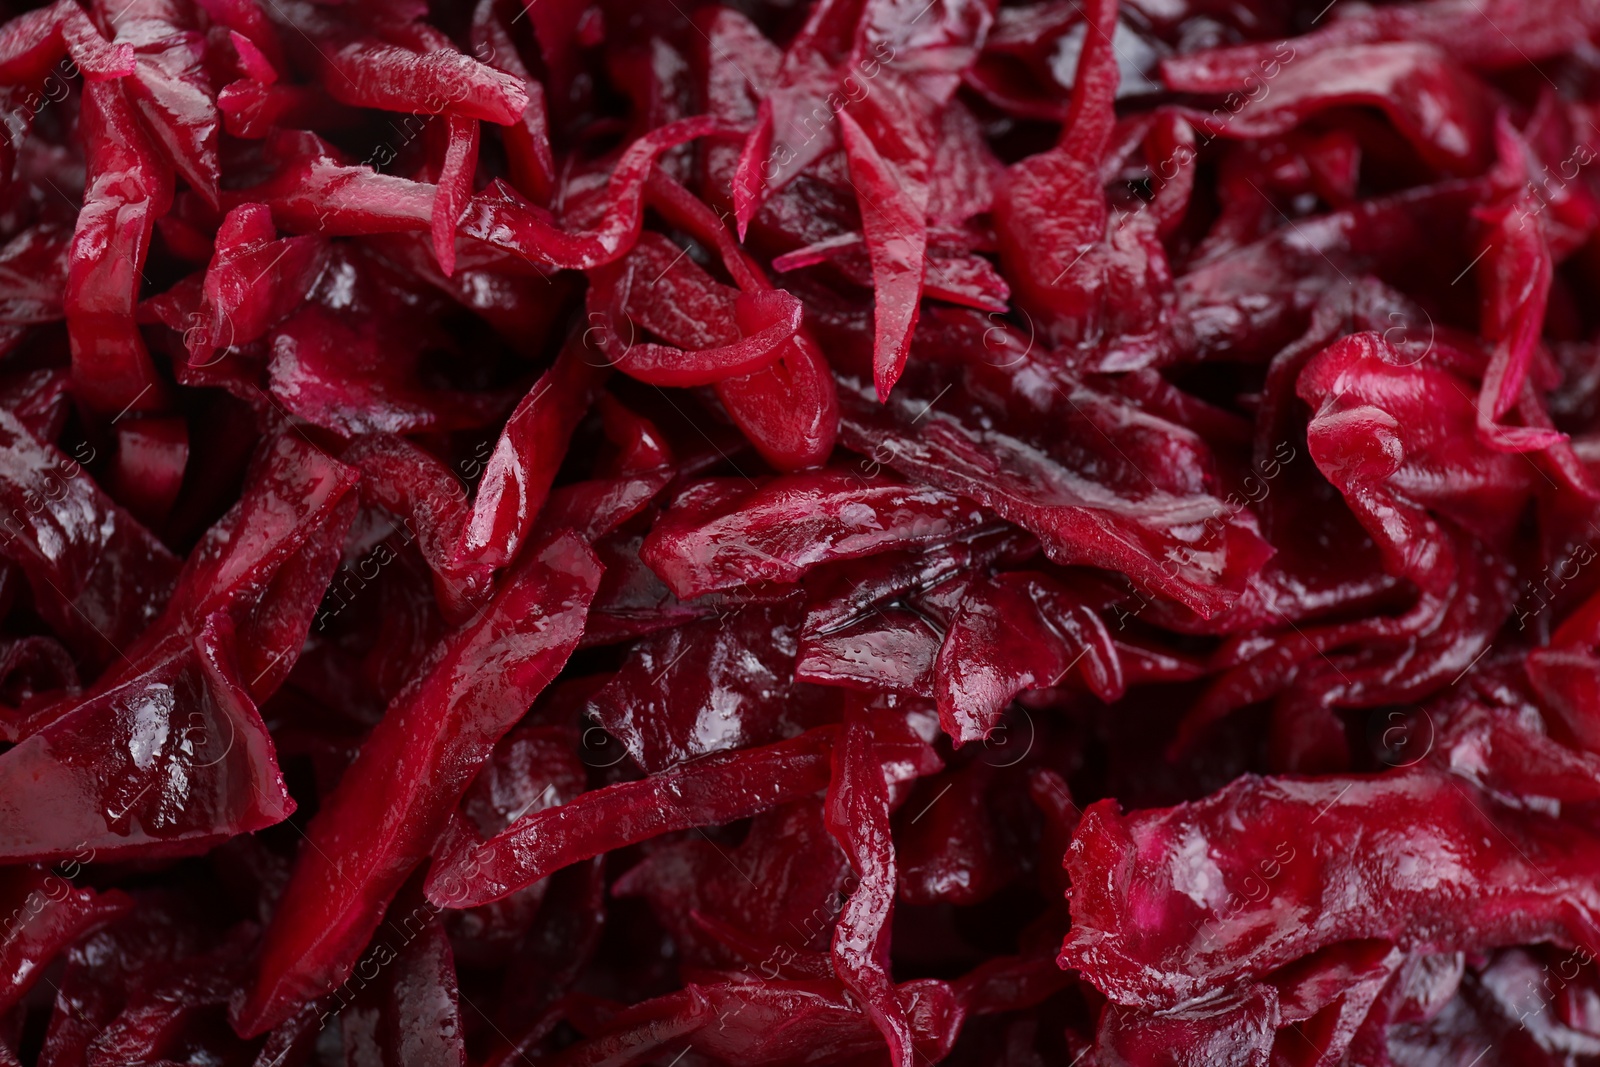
864,532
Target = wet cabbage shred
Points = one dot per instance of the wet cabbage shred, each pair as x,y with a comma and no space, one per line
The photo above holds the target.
799,533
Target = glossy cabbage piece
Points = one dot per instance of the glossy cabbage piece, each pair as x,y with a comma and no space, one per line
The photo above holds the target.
412,64
150,985
1389,435
172,1007
169,86
193,761
790,409
411,1013
313,188
1296,925
726,333
718,535
893,188
717,789
151,457
498,218
878,623
1219,404
889,138
351,358
1561,673
253,282
523,463
857,815
1191,907
1517,280
1300,265
714,685
1051,212
771,1023
297,506
1397,474
721,918
46,915
443,725
1192,548
415,486
100,577
1018,631
33,270
781,394
129,186
1492,34
33,43
534,767
1440,108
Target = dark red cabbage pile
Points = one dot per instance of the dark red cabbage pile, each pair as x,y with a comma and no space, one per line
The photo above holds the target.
870,532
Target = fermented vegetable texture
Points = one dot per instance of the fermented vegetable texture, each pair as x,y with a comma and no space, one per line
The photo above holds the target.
856,532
